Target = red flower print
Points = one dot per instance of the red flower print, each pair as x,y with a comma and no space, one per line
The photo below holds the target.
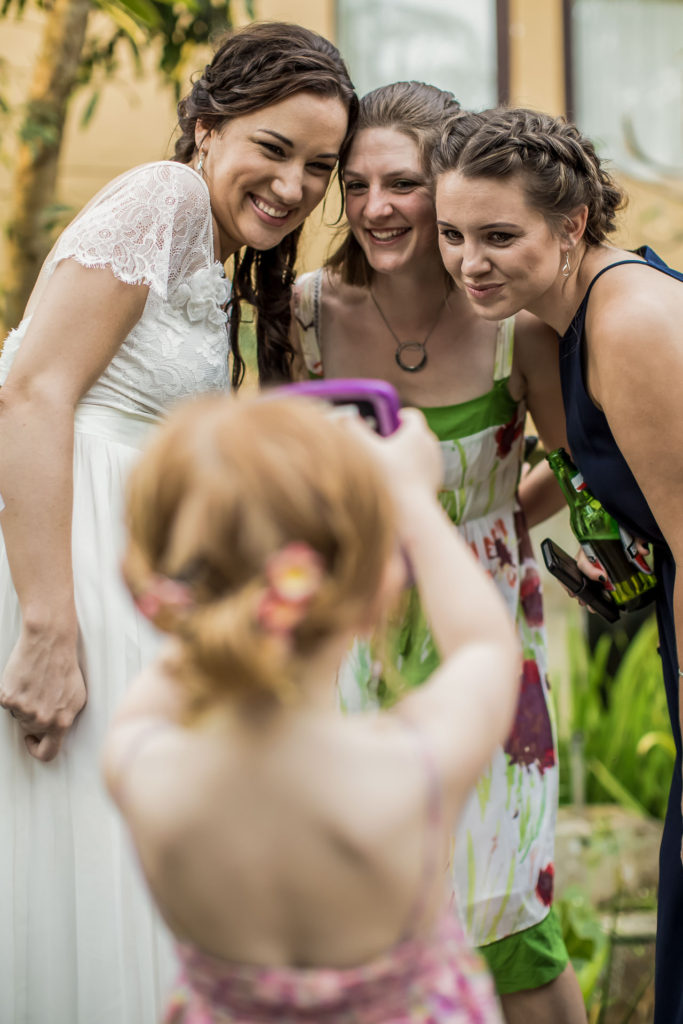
530,595
503,553
507,435
531,739
545,884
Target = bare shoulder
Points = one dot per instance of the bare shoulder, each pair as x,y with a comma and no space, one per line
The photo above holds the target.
634,312
339,297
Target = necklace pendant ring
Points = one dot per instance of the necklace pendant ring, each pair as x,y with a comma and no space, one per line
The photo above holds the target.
416,347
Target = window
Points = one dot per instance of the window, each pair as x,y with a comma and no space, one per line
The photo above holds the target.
453,44
625,81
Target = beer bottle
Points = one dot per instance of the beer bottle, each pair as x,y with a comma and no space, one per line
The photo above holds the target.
630,579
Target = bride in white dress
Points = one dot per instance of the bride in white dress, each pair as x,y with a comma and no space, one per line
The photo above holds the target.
127,318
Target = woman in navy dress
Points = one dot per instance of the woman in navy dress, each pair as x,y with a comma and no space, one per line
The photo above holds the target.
524,210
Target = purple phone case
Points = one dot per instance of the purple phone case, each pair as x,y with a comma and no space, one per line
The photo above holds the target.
381,395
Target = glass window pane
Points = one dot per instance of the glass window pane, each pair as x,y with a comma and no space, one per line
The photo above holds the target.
448,43
628,75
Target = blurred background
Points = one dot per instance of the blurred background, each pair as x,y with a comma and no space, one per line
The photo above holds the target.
88,89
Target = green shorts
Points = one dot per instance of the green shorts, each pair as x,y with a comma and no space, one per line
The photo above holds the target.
527,959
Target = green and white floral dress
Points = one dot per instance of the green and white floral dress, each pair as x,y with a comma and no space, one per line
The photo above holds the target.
503,851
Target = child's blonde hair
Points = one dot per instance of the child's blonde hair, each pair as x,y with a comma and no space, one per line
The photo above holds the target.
226,485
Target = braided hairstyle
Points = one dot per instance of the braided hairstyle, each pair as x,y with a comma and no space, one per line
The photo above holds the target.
418,111
209,514
263,64
557,165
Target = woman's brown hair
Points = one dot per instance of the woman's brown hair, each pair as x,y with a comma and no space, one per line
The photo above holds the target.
224,486
557,165
263,64
414,109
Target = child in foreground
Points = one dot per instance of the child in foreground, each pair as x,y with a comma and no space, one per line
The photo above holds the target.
299,855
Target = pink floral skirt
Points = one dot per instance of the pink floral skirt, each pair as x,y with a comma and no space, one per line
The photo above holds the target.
439,980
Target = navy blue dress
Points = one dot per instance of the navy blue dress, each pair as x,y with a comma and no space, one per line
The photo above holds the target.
608,476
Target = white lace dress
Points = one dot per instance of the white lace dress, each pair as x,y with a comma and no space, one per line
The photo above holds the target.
79,940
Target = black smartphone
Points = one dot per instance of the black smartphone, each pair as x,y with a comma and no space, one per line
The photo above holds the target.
564,568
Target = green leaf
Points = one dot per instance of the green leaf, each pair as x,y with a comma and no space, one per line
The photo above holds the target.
86,117
656,738
143,11
614,788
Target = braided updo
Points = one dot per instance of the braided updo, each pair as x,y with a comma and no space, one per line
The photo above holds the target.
254,68
558,166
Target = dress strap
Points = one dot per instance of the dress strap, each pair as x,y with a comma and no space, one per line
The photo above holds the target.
433,822
505,347
307,307
610,266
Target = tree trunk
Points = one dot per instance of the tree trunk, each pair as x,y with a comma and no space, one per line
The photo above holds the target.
35,176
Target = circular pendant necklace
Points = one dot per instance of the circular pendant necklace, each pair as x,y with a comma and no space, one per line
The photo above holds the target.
411,356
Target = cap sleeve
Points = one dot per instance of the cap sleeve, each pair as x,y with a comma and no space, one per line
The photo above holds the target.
150,226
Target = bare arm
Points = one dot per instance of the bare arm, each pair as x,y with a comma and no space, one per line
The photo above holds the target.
536,356
638,332
81,321
466,707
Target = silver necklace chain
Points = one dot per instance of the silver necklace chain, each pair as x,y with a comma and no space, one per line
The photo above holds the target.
418,348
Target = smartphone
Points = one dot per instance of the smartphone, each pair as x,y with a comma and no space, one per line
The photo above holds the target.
375,400
564,568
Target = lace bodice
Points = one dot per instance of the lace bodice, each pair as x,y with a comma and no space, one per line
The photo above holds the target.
151,226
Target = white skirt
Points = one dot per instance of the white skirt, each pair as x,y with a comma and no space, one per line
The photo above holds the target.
80,941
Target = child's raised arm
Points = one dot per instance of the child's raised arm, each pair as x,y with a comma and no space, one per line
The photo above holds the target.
465,709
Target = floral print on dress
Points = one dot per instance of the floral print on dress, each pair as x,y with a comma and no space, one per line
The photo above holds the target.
506,834
507,435
431,980
531,739
546,884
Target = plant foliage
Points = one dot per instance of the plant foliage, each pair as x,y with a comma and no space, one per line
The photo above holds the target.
620,725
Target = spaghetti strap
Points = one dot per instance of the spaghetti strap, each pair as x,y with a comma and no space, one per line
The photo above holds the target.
434,820
610,266
505,347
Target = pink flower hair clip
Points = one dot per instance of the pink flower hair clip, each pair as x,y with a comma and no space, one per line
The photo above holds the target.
294,576
163,594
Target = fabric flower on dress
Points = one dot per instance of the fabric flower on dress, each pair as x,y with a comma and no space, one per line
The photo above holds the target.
294,575
204,295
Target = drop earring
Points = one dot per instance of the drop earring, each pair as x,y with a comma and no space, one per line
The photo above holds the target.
201,161
566,266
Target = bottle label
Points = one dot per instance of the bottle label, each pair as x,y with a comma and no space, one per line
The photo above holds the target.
631,549
578,483
590,551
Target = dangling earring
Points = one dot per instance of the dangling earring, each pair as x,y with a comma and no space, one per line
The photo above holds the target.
566,266
201,161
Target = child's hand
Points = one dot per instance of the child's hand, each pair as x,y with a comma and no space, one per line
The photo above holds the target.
410,458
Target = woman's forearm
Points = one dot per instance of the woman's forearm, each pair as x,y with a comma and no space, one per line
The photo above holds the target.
539,494
36,483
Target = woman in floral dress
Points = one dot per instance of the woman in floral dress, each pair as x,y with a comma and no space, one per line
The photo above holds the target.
128,317
384,307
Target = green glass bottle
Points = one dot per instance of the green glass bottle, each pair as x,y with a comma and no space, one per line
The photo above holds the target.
631,581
